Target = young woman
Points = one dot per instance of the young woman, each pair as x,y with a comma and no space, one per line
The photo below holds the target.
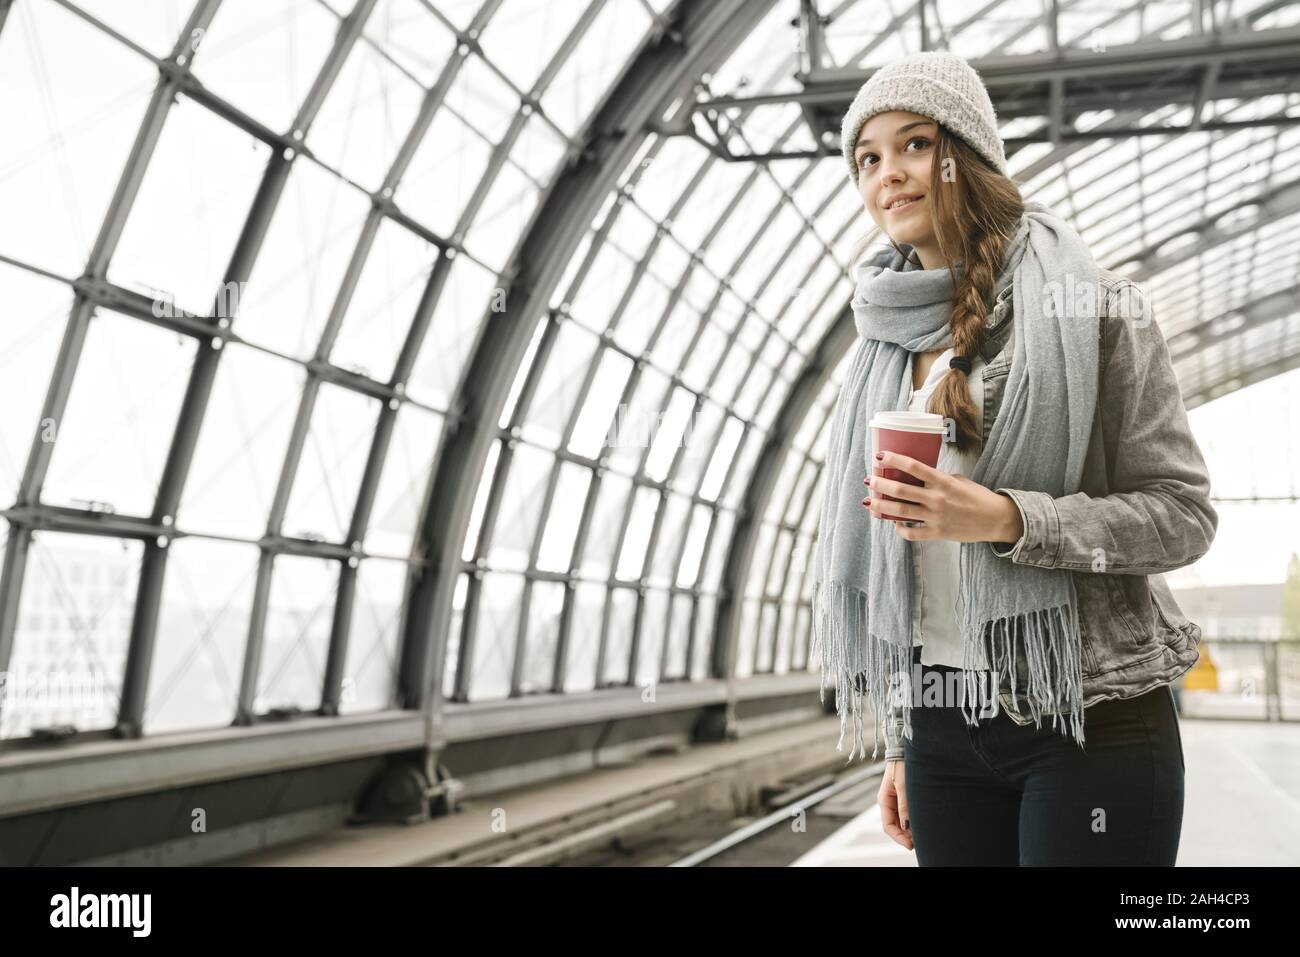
1020,579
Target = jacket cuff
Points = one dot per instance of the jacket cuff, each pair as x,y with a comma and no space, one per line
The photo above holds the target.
1041,542
894,736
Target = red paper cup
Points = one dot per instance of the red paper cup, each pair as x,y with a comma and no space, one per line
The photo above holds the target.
918,435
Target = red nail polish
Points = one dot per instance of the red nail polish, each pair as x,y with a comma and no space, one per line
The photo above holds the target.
880,455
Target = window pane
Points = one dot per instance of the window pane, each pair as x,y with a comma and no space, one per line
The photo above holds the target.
600,409
73,628
544,610
325,490
300,266
467,297
584,637
495,639
619,639
635,423
36,314
557,392
640,523
382,307
523,36
702,651
374,643
192,205
668,434
121,414
669,543
403,482
367,115
683,609
654,621
264,57
202,632
561,533
411,35
73,100
297,636
241,445
701,519
443,173
521,508
606,523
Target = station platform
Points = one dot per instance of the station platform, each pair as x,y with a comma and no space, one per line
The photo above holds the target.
1242,808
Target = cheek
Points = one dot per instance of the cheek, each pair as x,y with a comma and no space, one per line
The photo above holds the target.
869,202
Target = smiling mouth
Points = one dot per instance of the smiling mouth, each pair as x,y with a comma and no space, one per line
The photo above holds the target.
907,205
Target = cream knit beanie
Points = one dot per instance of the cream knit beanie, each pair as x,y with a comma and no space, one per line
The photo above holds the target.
940,85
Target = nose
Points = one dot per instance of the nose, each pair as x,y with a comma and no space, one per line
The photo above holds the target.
889,170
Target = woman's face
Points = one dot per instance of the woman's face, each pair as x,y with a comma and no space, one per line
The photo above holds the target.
894,154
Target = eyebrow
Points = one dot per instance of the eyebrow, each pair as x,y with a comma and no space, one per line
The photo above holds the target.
901,130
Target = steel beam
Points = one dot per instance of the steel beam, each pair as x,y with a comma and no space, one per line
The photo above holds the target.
1060,85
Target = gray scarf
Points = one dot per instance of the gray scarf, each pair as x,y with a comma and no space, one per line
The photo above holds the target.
863,573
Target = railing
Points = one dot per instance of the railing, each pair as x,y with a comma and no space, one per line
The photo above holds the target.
1256,678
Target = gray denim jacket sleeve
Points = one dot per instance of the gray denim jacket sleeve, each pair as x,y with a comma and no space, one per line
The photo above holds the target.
894,733
1157,515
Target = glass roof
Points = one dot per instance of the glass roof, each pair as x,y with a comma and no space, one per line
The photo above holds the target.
253,253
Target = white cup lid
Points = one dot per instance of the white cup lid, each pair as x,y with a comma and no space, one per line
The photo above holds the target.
908,421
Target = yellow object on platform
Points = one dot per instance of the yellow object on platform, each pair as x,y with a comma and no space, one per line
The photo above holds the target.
1203,675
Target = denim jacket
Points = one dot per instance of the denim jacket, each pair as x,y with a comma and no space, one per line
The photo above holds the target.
1143,509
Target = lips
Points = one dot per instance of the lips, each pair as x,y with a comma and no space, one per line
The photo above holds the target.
895,209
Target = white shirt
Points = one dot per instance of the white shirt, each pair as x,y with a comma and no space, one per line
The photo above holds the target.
937,563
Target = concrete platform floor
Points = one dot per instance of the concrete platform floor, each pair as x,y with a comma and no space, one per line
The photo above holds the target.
1241,806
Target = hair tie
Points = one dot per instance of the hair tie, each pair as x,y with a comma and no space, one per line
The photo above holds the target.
959,362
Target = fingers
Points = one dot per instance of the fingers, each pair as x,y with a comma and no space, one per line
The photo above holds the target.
901,514
901,490
913,467
879,507
887,799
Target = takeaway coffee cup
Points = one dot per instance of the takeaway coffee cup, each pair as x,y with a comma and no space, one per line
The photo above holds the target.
918,435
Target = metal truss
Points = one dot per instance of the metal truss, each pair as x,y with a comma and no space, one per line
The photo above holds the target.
1055,88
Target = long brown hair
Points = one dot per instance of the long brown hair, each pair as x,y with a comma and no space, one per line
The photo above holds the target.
973,210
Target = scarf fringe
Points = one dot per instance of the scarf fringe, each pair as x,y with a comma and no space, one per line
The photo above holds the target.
1052,645
870,672
855,664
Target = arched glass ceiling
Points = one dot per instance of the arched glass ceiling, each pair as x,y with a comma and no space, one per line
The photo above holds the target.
336,186
257,256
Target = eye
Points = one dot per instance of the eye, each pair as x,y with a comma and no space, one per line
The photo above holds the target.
863,160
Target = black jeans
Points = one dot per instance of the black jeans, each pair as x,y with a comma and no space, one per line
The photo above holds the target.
1004,794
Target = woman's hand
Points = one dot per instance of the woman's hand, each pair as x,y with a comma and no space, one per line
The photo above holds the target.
951,507
892,799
